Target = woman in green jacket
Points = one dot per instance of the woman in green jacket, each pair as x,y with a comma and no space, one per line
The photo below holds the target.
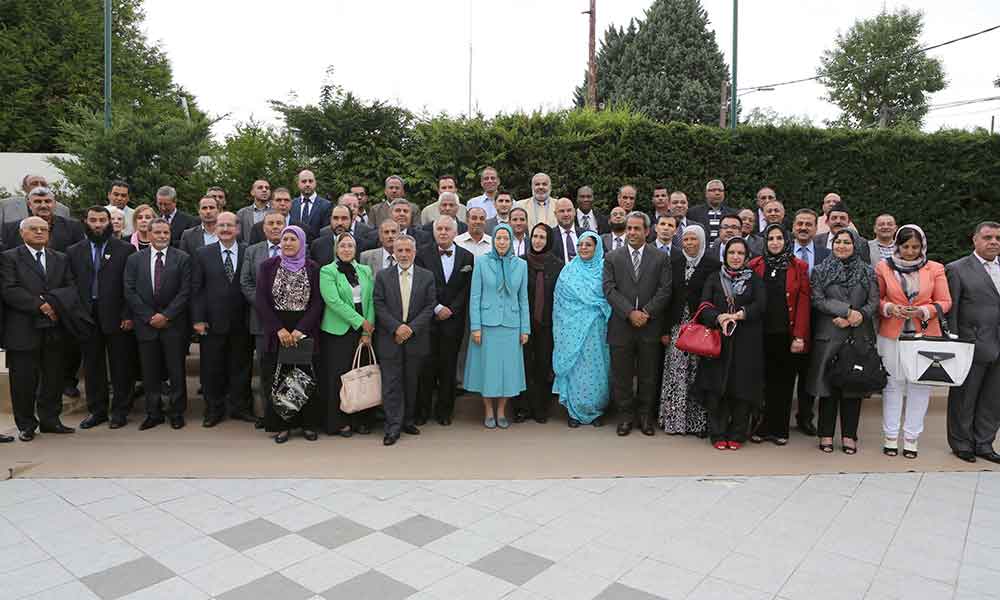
348,322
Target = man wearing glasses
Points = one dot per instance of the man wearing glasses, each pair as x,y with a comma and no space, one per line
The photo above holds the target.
711,212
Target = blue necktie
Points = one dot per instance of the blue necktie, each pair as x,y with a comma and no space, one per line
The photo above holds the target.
97,269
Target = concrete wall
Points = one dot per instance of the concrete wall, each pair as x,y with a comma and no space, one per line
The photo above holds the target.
15,165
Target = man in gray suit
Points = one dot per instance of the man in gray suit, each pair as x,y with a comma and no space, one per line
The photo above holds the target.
202,235
404,298
616,238
381,257
974,407
251,214
884,243
636,282
14,209
838,218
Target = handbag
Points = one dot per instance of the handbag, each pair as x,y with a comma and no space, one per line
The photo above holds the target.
936,360
856,367
291,390
361,387
695,338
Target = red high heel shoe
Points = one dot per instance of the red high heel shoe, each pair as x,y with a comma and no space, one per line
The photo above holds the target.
720,445
735,445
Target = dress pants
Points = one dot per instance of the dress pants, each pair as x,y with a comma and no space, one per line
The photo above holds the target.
27,369
635,359
536,400
917,399
779,381
974,409
225,373
400,377
439,376
71,362
336,357
165,353
850,414
728,420
101,351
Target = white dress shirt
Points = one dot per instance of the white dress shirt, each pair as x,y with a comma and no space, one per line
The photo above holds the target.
615,239
477,249
591,220
234,251
992,269
520,245
562,235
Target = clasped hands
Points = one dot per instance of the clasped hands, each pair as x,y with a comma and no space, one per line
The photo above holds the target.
853,319
289,339
638,318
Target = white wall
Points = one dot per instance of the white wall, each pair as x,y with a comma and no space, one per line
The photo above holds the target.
15,165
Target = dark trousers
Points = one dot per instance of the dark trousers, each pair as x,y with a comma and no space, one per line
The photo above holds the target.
728,420
779,381
336,358
103,351
974,409
27,369
266,375
225,373
536,400
164,356
71,362
800,368
439,376
637,358
850,414
400,377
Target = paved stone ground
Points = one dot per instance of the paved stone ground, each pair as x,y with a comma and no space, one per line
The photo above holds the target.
882,536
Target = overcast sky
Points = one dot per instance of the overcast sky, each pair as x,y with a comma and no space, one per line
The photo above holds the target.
235,55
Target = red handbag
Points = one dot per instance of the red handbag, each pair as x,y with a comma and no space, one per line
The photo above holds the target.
695,338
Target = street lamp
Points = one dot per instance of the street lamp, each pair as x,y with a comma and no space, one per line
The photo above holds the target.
107,64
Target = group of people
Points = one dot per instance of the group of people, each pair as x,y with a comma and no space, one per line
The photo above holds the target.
519,301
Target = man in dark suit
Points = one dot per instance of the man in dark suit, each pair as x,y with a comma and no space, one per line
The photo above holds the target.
253,213
730,226
711,212
661,206
98,265
452,268
565,234
322,249
219,314
158,291
400,212
974,406
754,241
359,229
34,335
615,238
586,217
281,202
310,210
203,234
636,282
839,218
447,204
769,210
404,300
503,204
166,203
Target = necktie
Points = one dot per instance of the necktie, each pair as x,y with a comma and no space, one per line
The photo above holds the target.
305,208
390,262
618,243
444,252
158,273
665,249
586,222
994,272
227,265
570,247
404,291
38,259
274,250
635,262
93,275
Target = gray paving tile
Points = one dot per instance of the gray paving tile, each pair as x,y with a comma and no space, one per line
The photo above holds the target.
512,565
269,587
127,578
617,591
419,530
252,533
335,532
369,586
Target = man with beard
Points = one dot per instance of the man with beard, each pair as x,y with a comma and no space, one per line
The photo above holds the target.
540,207
616,238
358,228
98,266
253,213
322,249
503,204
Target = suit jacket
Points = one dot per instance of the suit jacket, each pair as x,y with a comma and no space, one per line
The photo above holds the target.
608,238
602,226
319,215
339,313
381,212
180,223
651,292
214,299
874,255
491,224
25,287
423,238
192,240
257,231
487,308
63,233
389,313
821,241
428,228
538,214
933,290
15,209
975,307
558,241
244,218
270,322
360,231
373,259
699,213
249,272
112,308
173,300
455,292
431,212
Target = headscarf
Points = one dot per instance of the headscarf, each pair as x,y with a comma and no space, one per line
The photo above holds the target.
692,261
502,265
347,268
781,260
734,281
848,272
536,259
907,270
579,303
297,262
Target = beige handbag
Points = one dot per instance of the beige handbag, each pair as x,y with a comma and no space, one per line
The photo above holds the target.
361,387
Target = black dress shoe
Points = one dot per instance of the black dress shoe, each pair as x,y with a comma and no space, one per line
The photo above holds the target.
806,428
211,421
259,423
6,439
26,436
117,422
624,429
390,439
420,421
647,427
520,417
363,429
243,416
411,429
177,422
92,421
572,423
310,435
965,455
991,456
444,421
598,422
151,422
71,391
541,420
56,428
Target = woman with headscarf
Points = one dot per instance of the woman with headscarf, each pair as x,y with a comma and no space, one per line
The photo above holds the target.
909,287
499,325
581,359
786,329
348,322
289,307
730,386
845,298
543,271
680,411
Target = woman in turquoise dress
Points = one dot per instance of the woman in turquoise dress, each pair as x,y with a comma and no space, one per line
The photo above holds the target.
580,313
499,325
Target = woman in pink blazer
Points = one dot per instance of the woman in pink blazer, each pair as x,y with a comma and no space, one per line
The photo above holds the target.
909,287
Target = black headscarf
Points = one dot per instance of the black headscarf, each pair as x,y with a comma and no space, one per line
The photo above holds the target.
848,272
536,258
347,268
781,260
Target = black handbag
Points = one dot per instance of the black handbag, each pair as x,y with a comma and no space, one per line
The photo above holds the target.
856,368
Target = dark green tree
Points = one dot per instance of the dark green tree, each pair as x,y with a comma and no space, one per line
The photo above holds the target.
52,60
876,74
667,65
254,151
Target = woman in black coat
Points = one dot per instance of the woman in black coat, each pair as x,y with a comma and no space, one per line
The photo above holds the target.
730,386
543,272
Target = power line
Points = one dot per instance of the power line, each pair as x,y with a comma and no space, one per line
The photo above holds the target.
958,103
860,67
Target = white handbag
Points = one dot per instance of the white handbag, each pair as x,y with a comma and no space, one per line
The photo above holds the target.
938,361
361,387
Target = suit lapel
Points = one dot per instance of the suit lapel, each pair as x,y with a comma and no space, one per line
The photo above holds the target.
393,277
27,255
987,280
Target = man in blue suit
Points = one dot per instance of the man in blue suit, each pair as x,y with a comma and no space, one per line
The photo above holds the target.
310,210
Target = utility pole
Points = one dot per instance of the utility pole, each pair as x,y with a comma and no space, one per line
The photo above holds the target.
723,105
470,79
107,64
592,57
734,87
